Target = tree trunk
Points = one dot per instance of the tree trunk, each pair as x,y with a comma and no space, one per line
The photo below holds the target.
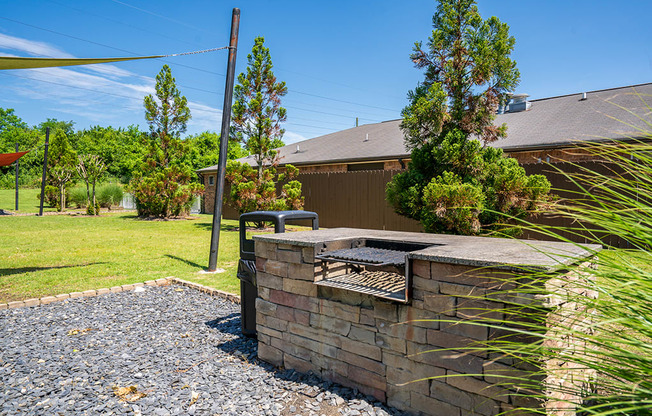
88,194
62,195
95,209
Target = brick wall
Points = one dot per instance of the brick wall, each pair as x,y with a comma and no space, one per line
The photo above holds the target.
380,347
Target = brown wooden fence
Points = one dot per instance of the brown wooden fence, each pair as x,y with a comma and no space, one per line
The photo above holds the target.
353,199
357,200
566,190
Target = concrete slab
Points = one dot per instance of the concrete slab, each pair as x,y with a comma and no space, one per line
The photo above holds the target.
501,253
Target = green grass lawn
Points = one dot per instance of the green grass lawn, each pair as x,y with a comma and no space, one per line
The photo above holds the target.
42,256
27,200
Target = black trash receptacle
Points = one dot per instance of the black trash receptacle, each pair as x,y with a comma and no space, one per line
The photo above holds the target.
247,264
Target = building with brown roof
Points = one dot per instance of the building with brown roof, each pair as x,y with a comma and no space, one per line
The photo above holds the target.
546,127
542,130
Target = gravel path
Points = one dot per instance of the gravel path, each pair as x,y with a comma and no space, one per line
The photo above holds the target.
159,351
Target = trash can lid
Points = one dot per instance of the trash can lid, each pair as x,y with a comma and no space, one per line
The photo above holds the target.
277,216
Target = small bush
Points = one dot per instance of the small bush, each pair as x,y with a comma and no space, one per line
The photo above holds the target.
8,181
52,196
77,197
109,195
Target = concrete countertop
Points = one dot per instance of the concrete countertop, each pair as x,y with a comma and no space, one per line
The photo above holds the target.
502,253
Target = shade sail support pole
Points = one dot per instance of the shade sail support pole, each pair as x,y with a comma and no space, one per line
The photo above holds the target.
224,142
17,162
45,169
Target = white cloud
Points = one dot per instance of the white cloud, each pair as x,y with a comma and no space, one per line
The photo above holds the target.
204,117
290,137
32,47
101,93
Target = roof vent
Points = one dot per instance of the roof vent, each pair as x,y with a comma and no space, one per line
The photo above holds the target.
366,139
518,103
583,96
298,150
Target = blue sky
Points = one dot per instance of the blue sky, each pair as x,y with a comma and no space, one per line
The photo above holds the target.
340,59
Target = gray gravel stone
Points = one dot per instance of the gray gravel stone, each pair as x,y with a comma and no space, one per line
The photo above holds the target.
67,358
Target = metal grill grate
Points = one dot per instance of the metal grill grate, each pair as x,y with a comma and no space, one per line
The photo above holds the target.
381,284
366,256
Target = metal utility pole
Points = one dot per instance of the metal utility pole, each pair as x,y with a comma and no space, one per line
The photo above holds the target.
17,161
45,169
224,141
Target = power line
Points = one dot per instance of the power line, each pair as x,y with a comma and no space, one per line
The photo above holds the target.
162,17
329,114
341,101
309,119
333,82
314,127
356,111
182,65
133,98
106,46
283,70
67,85
123,23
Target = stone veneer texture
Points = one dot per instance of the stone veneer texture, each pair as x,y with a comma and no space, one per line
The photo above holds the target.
381,347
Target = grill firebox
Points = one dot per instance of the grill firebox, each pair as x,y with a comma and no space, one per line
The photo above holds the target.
375,267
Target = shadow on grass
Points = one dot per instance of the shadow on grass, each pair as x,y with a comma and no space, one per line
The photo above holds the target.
19,270
188,262
132,217
209,226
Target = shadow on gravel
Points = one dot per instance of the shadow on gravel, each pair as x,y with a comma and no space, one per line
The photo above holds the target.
308,386
230,324
19,270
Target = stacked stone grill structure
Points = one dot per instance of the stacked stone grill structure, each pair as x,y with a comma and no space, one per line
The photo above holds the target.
384,348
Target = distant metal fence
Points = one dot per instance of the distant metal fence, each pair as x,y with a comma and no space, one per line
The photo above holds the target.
128,201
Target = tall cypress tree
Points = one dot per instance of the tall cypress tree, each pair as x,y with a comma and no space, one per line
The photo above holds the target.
163,187
257,118
455,183
257,111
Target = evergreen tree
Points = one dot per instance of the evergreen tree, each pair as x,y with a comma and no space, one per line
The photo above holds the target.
454,183
163,187
257,111
257,118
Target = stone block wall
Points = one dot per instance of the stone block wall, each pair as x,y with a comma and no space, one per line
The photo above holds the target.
380,347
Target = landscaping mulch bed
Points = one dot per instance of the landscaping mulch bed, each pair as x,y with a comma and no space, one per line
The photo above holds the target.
167,350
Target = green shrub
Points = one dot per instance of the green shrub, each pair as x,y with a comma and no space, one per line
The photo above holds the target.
91,211
490,190
8,181
77,197
52,196
109,195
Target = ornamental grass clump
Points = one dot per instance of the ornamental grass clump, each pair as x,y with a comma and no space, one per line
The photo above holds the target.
586,335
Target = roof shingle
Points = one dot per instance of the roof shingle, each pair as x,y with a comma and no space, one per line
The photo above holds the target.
618,113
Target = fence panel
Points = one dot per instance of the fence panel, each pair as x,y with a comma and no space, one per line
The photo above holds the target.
357,200
353,199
